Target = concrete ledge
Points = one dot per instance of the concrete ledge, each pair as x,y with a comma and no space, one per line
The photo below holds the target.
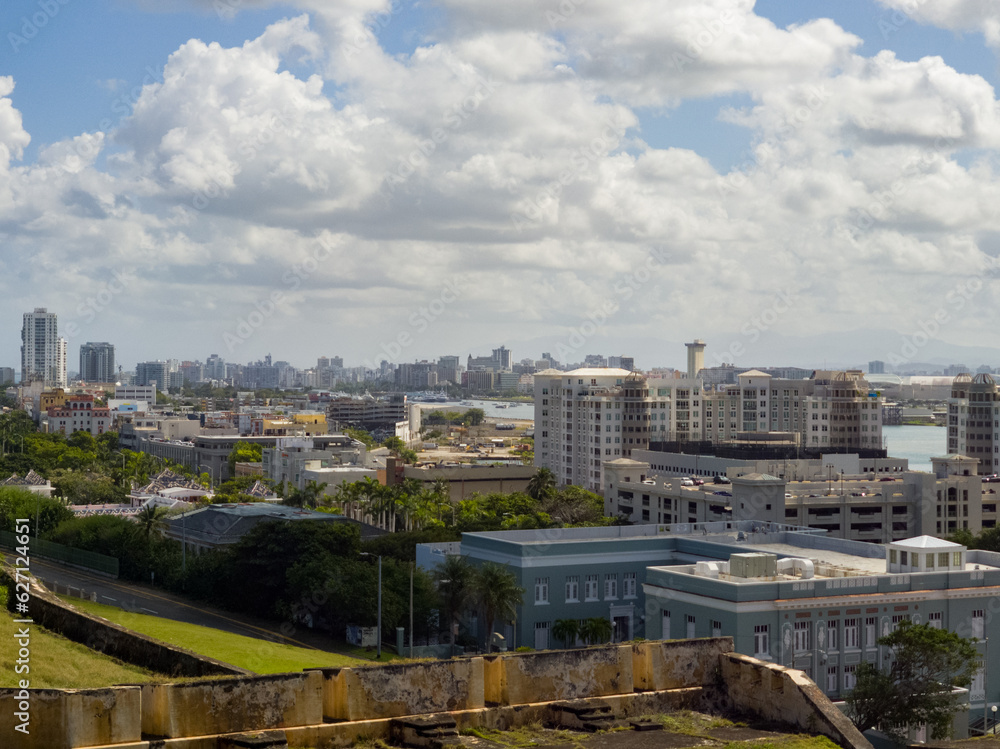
68,718
232,705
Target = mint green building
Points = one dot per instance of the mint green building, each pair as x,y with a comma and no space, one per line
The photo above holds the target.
785,594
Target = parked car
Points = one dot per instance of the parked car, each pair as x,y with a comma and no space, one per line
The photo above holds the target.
698,482
687,482
721,480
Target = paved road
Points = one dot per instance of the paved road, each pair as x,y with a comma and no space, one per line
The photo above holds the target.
144,599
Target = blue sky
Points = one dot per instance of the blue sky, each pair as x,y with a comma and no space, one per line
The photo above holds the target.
208,198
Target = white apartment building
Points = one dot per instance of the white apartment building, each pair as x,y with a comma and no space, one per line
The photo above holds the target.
591,415
43,352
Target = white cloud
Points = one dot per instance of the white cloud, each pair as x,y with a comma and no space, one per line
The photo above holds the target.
507,153
958,15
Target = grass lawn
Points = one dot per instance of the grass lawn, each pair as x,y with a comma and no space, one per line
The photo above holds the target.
58,663
259,656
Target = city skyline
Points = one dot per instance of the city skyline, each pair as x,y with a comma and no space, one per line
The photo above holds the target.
297,178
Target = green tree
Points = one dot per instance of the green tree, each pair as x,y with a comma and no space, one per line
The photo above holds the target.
925,665
150,518
244,452
394,443
596,630
567,630
361,436
574,505
498,595
454,579
473,417
542,484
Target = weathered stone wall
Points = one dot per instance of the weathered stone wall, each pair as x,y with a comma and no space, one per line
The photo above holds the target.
68,718
232,705
104,636
785,695
521,678
676,664
406,689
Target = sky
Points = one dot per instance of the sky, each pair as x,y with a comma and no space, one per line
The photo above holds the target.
795,182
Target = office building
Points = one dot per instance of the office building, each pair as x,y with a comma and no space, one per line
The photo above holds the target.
97,362
43,352
153,373
876,367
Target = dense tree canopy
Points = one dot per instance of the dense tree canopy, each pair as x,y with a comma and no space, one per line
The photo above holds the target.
916,686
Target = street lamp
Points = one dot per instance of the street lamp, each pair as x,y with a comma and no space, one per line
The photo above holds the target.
994,711
378,630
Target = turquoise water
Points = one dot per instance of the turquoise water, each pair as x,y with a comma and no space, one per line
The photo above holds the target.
917,444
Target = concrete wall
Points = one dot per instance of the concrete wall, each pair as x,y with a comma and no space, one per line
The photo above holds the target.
787,696
106,637
677,664
336,707
67,718
231,705
522,678
410,689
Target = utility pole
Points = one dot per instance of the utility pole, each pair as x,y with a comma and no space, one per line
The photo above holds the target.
412,566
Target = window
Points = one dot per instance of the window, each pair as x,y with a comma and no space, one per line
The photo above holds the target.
897,618
591,588
541,590
849,677
871,630
665,630
611,586
801,636
956,559
935,619
716,629
690,627
572,589
850,634
977,624
628,585
761,645
831,679
833,632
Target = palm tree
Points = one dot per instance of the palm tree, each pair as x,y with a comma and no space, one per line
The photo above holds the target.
498,595
454,578
567,630
596,631
150,517
542,484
